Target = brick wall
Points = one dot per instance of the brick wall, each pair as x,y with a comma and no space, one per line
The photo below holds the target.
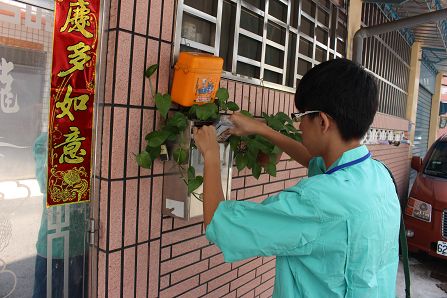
141,253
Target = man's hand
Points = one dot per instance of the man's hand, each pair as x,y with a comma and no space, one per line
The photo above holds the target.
244,126
206,142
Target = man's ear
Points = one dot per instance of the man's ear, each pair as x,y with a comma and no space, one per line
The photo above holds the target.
325,122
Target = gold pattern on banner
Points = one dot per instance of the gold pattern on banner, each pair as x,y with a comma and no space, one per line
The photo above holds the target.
78,58
68,186
71,146
78,18
78,102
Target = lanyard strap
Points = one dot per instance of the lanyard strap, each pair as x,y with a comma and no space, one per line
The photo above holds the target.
348,164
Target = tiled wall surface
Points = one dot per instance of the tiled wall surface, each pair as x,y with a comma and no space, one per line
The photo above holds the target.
141,253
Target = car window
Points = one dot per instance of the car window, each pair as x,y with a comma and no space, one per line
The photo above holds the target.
437,164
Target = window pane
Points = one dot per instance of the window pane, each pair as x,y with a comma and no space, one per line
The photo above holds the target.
291,59
276,33
340,47
321,35
258,3
320,54
305,47
274,57
249,48
307,27
247,70
278,10
207,6
227,34
308,7
198,30
272,76
323,17
303,66
252,22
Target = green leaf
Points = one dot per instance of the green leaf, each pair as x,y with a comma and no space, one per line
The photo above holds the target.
256,171
270,168
275,123
156,138
222,94
284,118
222,104
163,104
150,70
144,160
192,112
154,152
234,142
173,133
193,184
178,120
208,111
191,172
246,113
180,155
232,106
241,161
276,150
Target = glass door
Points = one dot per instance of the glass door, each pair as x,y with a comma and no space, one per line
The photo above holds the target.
43,251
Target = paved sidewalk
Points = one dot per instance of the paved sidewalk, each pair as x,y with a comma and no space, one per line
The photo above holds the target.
428,278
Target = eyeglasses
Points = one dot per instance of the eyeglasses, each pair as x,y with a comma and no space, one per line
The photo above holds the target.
297,117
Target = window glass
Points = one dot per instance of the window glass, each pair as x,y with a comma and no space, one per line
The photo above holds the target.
199,30
437,164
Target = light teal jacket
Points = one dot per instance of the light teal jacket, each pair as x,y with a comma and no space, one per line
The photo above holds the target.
333,235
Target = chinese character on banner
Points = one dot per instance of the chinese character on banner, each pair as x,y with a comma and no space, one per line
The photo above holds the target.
72,98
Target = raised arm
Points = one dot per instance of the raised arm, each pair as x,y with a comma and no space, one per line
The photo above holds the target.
247,126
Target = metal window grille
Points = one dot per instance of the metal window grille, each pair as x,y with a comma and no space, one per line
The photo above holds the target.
387,57
265,42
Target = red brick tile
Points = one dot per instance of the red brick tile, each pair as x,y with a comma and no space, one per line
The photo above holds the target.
103,205
252,191
168,15
214,272
250,180
143,209
137,78
252,100
282,175
116,215
142,251
129,272
122,68
238,94
133,142
151,58
164,281
216,260
113,14
250,294
131,213
240,263
299,172
154,261
194,293
267,294
237,183
108,88
180,223
156,207
268,275
245,97
290,183
230,295
218,292
180,287
265,267
101,274
164,67
265,286
242,280
210,251
189,245
165,253
274,187
114,274
249,266
141,16
126,15
119,130
155,18
189,271
181,234
167,224
179,262
221,280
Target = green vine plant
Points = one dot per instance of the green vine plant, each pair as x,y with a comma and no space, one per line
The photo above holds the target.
252,152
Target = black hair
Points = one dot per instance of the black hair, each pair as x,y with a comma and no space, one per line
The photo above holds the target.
343,90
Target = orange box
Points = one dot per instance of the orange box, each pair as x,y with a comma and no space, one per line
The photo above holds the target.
196,78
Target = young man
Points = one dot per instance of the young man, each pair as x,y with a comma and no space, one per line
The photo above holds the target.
335,233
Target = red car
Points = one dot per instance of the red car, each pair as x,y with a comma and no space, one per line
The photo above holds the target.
426,210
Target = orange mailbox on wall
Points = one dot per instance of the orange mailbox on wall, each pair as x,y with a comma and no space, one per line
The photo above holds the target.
196,78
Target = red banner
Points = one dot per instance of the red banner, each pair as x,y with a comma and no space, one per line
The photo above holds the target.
71,105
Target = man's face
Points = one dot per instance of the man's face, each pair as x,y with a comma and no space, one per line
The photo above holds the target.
310,132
